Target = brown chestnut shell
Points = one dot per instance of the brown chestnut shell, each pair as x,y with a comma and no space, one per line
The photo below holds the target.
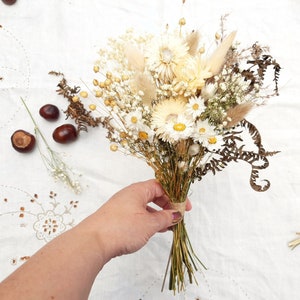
65,134
50,112
22,141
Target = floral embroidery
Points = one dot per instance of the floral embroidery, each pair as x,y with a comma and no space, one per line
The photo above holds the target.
51,217
49,225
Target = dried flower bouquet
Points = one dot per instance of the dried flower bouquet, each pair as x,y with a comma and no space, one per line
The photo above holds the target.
164,99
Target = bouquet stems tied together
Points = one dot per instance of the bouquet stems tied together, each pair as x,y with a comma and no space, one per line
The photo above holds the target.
176,180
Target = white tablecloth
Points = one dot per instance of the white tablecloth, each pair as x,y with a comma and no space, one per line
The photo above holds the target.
239,234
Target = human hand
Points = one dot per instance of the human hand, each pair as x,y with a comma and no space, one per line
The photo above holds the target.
126,221
122,225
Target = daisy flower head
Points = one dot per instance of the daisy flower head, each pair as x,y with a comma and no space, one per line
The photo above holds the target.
145,133
195,107
202,131
214,142
133,119
205,134
179,128
163,54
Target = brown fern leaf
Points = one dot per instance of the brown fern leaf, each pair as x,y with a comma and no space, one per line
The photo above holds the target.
233,150
75,110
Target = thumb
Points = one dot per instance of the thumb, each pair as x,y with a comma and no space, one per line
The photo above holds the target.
166,218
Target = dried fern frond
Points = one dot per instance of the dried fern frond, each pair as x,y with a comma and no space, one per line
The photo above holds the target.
259,65
75,109
233,150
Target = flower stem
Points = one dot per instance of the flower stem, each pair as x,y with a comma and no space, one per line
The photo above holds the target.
54,164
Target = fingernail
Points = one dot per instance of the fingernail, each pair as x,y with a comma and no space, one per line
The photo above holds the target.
176,217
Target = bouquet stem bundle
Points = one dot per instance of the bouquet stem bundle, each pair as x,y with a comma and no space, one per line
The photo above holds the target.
182,259
176,178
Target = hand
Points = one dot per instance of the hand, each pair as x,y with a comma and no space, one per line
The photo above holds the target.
126,222
67,266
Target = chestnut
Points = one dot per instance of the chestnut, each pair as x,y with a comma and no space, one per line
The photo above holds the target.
22,141
9,2
65,133
49,112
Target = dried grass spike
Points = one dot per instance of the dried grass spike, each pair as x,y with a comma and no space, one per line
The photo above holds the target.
237,113
143,83
136,59
192,41
217,59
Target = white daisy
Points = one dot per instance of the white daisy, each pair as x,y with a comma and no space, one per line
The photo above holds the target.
177,128
133,119
195,107
145,133
202,131
214,142
205,134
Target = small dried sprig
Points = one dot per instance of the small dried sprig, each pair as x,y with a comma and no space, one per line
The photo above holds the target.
75,109
262,62
53,161
294,243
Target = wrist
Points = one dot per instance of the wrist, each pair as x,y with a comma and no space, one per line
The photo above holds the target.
94,230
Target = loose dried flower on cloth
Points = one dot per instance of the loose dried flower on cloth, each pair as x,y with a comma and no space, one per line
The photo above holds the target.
165,100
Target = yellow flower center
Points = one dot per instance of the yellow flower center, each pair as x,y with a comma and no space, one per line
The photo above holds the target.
212,140
134,120
143,135
202,130
195,106
179,127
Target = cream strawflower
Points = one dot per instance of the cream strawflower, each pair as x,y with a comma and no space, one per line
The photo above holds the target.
166,110
163,54
169,120
195,107
194,72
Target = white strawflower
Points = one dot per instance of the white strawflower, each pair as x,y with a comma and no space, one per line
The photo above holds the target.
163,54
